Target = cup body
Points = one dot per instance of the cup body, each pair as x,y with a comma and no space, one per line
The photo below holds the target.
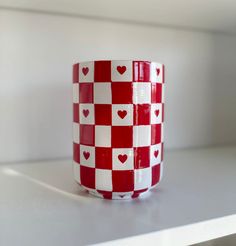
118,115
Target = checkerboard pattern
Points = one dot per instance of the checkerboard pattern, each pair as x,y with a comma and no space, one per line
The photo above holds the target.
118,115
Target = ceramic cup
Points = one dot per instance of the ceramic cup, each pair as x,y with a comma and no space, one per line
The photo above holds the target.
118,114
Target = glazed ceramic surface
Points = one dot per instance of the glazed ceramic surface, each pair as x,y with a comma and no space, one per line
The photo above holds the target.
118,114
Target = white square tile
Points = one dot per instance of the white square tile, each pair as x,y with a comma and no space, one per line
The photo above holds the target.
76,132
141,136
156,113
155,154
86,114
156,72
121,71
103,179
75,93
122,159
122,114
162,132
141,93
87,156
86,72
77,172
102,93
103,136
142,178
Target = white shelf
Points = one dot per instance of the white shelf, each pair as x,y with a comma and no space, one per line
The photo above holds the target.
208,15
40,204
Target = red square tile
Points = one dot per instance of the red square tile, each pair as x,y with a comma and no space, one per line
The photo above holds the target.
142,113
87,176
123,181
102,71
156,93
141,157
141,71
103,158
102,114
76,152
76,112
122,92
87,134
76,73
122,136
86,92
156,174
155,134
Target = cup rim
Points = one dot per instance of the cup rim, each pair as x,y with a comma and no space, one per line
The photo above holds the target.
116,60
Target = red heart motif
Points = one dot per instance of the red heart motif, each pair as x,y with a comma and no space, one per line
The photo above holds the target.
122,158
157,112
85,112
121,69
158,71
122,113
85,70
86,155
156,152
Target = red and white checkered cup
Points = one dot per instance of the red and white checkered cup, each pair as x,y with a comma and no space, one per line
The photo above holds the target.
118,114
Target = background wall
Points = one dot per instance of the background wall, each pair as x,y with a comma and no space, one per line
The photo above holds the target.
36,56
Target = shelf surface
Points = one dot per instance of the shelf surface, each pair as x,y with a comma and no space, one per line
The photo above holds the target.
208,15
40,204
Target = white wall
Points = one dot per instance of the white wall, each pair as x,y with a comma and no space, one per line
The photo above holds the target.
36,56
